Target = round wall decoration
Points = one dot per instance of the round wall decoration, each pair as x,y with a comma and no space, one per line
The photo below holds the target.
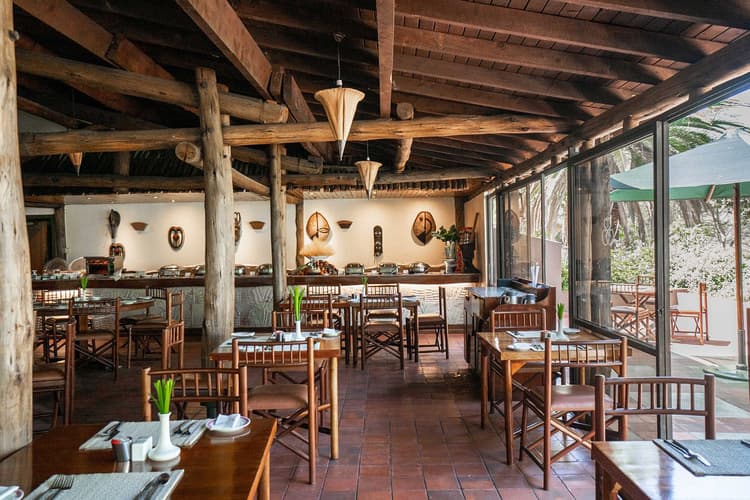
237,227
117,250
423,226
318,227
176,237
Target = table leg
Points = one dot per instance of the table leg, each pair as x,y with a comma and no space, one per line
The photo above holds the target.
484,375
333,380
415,333
606,487
508,382
264,488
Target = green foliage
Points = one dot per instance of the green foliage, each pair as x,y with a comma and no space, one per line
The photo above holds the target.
84,281
628,262
446,235
163,397
297,293
560,311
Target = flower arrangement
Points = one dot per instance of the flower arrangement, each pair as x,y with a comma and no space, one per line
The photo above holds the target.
297,293
163,396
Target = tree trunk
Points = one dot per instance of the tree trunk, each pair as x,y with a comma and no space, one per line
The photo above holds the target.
219,219
278,227
16,320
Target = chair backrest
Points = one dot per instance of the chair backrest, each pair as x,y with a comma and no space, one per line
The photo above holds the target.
379,304
521,317
583,356
623,293
334,290
645,280
175,307
224,386
654,396
382,289
275,354
442,303
50,297
702,298
105,312
312,319
173,340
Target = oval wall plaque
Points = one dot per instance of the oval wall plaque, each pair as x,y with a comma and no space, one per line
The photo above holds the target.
317,227
176,237
424,225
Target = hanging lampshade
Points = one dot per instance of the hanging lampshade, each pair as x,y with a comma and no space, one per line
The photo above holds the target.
339,103
76,159
368,170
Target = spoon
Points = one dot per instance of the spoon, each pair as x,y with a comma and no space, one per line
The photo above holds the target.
149,490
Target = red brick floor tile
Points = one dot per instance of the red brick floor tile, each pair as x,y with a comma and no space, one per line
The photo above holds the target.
481,494
408,483
517,493
445,495
476,482
410,495
373,495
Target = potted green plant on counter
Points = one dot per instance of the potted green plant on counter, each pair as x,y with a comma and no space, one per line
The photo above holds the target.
297,293
450,238
84,285
164,450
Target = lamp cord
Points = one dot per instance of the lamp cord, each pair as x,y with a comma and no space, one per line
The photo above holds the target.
338,63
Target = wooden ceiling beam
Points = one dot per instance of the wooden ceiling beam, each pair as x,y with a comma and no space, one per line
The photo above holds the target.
248,135
487,152
386,178
531,57
221,24
385,14
113,182
560,29
732,13
37,109
404,111
507,80
149,87
496,100
521,143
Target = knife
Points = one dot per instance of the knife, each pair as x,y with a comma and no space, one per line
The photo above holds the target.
150,488
745,442
113,432
690,452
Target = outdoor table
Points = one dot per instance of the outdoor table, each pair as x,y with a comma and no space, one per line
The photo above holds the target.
329,349
221,467
496,345
645,471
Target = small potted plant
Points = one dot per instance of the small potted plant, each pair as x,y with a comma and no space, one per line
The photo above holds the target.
560,312
298,293
450,238
364,285
164,450
84,285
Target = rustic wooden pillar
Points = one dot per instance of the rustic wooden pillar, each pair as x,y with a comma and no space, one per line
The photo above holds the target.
218,299
61,245
16,320
459,202
278,227
121,166
299,222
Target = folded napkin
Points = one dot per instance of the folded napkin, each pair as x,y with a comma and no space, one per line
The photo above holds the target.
228,422
529,334
112,486
10,492
101,440
330,331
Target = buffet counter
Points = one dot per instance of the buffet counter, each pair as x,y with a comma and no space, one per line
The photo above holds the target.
253,294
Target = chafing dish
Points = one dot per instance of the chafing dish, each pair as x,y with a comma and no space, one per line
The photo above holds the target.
240,270
170,271
418,268
388,268
265,269
199,270
354,268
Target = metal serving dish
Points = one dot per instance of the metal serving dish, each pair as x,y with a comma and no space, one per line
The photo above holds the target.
354,268
170,271
240,270
388,268
199,270
265,270
418,268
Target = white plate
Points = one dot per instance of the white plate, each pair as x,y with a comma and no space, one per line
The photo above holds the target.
228,432
145,297
240,335
571,331
520,346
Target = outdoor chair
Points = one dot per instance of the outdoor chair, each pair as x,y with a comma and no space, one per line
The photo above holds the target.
59,379
436,323
628,311
292,405
381,326
561,407
699,315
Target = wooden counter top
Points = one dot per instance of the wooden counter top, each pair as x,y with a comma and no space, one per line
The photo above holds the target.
251,281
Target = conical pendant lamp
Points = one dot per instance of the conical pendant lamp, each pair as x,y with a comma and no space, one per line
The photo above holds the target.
340,103
368,170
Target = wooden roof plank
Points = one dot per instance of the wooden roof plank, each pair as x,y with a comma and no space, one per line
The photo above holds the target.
386,10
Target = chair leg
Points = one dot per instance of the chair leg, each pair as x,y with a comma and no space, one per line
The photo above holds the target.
522,439
444,334
546,459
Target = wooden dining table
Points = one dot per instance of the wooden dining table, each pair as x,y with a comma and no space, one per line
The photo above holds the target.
224,467
329,349
642,470
496,345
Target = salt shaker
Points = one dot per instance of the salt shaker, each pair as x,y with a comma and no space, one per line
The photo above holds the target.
121,448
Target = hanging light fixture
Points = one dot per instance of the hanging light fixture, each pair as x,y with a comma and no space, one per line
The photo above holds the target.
368,170
340,103
76,159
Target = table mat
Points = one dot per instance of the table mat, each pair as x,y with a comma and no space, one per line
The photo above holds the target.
10,492
728,457
111,486
101,440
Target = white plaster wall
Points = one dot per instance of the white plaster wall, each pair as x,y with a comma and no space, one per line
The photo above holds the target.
87,232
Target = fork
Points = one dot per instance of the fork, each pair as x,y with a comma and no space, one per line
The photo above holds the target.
687,452
59,484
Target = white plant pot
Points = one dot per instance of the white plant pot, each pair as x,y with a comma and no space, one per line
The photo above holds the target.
164,450
298,330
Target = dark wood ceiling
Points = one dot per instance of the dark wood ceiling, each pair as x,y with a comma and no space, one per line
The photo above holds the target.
572,60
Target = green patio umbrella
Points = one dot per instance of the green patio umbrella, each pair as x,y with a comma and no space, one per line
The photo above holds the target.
719,169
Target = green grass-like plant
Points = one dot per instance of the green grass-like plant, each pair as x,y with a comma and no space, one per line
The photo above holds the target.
163,396
560,311
297,293
84,282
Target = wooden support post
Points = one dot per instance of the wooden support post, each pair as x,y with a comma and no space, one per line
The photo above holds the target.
299,221
460,217
16,320
404,111
278,228
121,166
218,306
60,243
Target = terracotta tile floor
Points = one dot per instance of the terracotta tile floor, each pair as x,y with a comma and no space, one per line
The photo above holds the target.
412,434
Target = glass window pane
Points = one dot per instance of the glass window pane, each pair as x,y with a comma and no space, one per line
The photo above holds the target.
515,228
556,234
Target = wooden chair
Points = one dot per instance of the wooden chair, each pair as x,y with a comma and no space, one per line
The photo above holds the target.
311,319
160,295
433,323
382,289
227,387
520,317
143,334
173,342
333,290
628,311
98,336
50,329
58,379
297,401
699,316
561,406
381,326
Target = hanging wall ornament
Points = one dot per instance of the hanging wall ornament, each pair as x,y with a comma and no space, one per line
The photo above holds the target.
114,222
318,227
117,250
237,227
377,236
423,226
176,237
